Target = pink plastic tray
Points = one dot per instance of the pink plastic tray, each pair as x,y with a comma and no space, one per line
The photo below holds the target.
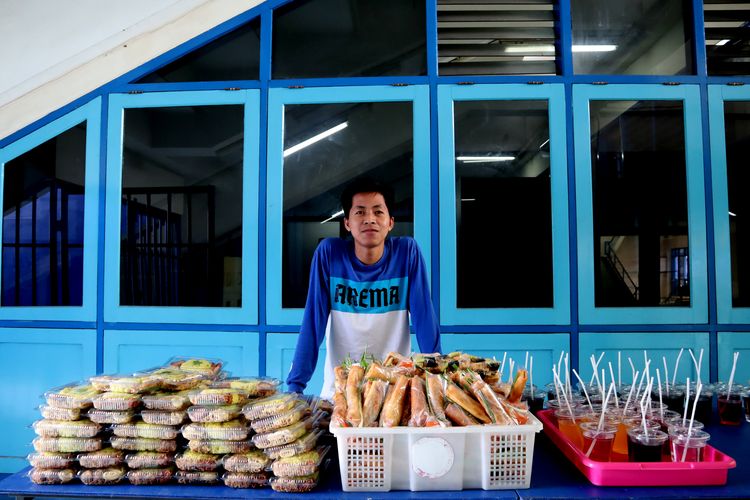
712,471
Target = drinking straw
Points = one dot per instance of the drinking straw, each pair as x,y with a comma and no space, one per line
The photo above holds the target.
526,361
687,401
630,394
700,364
646,362
554,382
643,415
666,373
565,398
640,384
531,375
595,368
585,392
567,377
601,419
677,362
731,375
695,364
511,364
619,370
612,374
502,365
559,361
632,371
604,384
661,410
692,419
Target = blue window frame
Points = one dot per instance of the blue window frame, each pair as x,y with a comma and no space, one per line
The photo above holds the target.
697,310
278,100
90,114
247,311
559,310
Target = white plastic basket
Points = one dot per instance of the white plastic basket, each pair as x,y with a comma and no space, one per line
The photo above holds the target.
491,457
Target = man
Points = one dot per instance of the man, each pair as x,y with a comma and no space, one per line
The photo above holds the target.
362,291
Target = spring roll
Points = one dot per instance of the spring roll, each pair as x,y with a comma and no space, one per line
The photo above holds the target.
394,407
418,403
373,403
435,397
458,416
353,395
455,394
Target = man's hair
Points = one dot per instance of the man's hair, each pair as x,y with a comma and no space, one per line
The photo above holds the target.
365,185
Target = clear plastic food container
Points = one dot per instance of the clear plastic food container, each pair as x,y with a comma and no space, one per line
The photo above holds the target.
52,413
300,465
174,379
141,477
67,445
143,444
210,367
106,457
218,396
194,461
213,413
110,417
51,460
234,430
166,401
149,459
301,445
220,447
66,428
99,477
125,383
254,386
252,461
272,405
245,479
282,419
51,476
163,417
285,435
144,430
195,477
117,401
294,484
75,395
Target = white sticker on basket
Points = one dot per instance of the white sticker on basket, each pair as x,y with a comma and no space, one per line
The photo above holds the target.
432,457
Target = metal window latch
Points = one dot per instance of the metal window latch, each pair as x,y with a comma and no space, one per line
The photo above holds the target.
135,92
465,83
296,87
232,88
600,83
671,84
534,82
736,84
399,85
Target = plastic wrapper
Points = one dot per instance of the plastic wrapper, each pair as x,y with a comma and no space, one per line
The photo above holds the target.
195,461
106,457
144,430
67,445
71,396
174,379
272,405
51,476
213,413
285,435
373,401
353,395
455,394
143,444
52,413
301,445
458,416
245,479
300,484
110,417
436,397
208,367
255,387
283,419
130,384
51,460
234,430
149,459
163,417
66,428
252,461
141,477
420,413
220,447
109,475
304,464
166,401
393,406
317,403
117,401
218,396
196,477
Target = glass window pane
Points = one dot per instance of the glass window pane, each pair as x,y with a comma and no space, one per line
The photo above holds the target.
639,203
497,37
727,38
636,37
335,38
503,195
737,127
182,204
374,139
34,182
234,56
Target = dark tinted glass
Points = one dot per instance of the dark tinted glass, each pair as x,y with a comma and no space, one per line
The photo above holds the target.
634,37
344,141
43,200
639,177
234,56
503,205
496,37
332,38
181,231
737,126
727,37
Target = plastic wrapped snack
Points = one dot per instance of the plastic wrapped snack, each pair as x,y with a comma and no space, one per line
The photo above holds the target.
301,445
197,477
218,396
67,445
210,367
245,479
299,484
52,413
144,444
234,430
220,447
174,379
106,457
159,417
194,461
300,465
252,461
285,435
109,475
283,419
110,417
117,401
141,477
51,460
71,396
66,428
51,476
272,405
166,401
254,386
125,383
144,430
213,413
149,459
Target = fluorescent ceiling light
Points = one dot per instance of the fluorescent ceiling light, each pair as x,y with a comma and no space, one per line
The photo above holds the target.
468,199
524,49
594,48
722,42
733,214
544,144
484,159
312,140
538,58
337,214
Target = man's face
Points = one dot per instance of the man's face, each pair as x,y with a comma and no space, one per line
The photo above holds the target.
369,220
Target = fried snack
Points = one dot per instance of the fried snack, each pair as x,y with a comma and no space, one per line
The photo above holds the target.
218,396
144,444
144,430
149,460
110,417
234,430
419,409
67,445
251,461
66,428
457,395
51,476
51,460
255,387
196,477
166,401
246,479
301,445
140,477
394,405
199,365
285,435
488,399
353,395
373,403
159,417
219,447
193,461
272,405
71,396
283,419
110,475
435,397
300,484
174,379
125,383
300,465
519,382
458,416
117,401
396,359
213,413
379,372
106,457
52,413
